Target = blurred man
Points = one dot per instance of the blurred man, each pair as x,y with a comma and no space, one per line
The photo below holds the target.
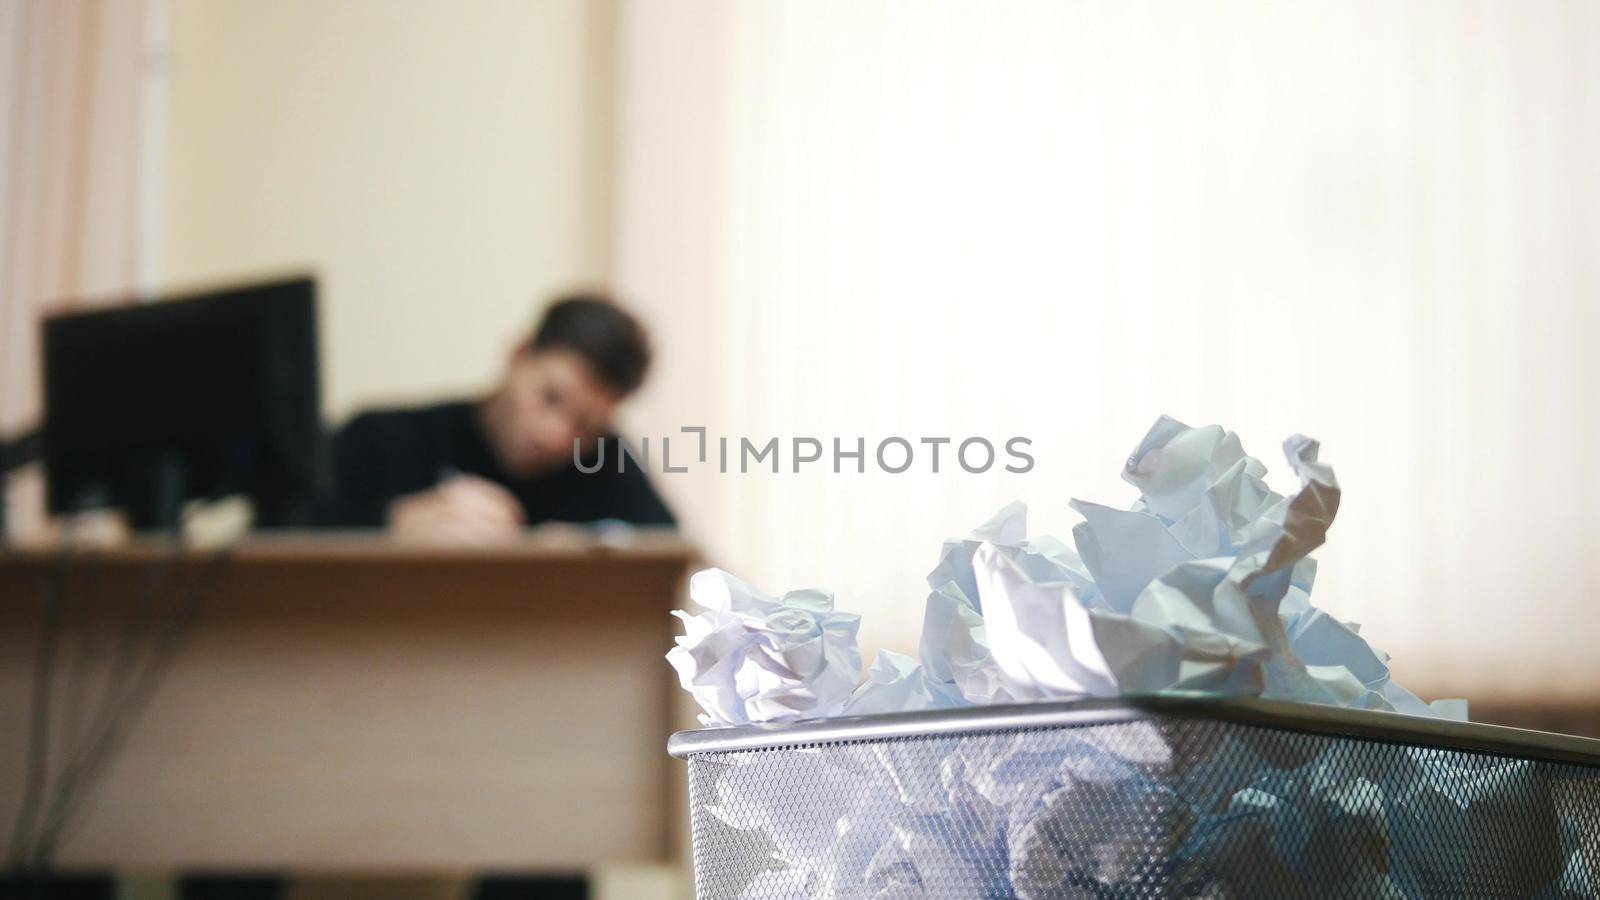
480,470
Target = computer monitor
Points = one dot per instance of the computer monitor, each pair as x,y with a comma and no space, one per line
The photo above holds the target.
202,396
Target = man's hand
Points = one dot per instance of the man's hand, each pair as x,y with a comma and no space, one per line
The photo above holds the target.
464,509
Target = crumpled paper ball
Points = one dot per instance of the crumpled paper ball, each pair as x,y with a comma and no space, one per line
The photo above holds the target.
955,666
894,684
753,658
956,657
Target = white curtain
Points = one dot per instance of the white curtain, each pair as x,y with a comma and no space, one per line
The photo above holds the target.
78,138
1377,224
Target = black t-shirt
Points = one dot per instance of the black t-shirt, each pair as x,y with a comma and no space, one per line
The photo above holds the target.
379,456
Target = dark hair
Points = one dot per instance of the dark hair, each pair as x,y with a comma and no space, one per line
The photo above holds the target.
600,331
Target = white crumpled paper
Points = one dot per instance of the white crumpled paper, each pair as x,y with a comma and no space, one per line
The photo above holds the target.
752,658
1203,585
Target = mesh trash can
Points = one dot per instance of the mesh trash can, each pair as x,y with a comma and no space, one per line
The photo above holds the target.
1141,798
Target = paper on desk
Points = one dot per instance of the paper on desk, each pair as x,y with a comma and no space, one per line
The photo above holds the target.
753,658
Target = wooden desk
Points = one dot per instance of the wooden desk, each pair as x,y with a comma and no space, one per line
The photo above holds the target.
345,702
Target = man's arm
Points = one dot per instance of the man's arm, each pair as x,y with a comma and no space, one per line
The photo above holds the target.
387,476
370,461
461,509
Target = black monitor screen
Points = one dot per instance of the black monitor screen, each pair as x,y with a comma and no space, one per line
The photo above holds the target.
204,396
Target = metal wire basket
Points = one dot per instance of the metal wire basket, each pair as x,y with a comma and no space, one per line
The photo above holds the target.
1141,798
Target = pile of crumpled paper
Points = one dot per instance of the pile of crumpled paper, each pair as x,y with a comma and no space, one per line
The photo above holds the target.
1204,585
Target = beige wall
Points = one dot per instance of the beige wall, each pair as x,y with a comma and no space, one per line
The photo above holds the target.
441,166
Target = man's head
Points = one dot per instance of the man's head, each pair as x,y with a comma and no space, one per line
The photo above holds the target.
563,383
